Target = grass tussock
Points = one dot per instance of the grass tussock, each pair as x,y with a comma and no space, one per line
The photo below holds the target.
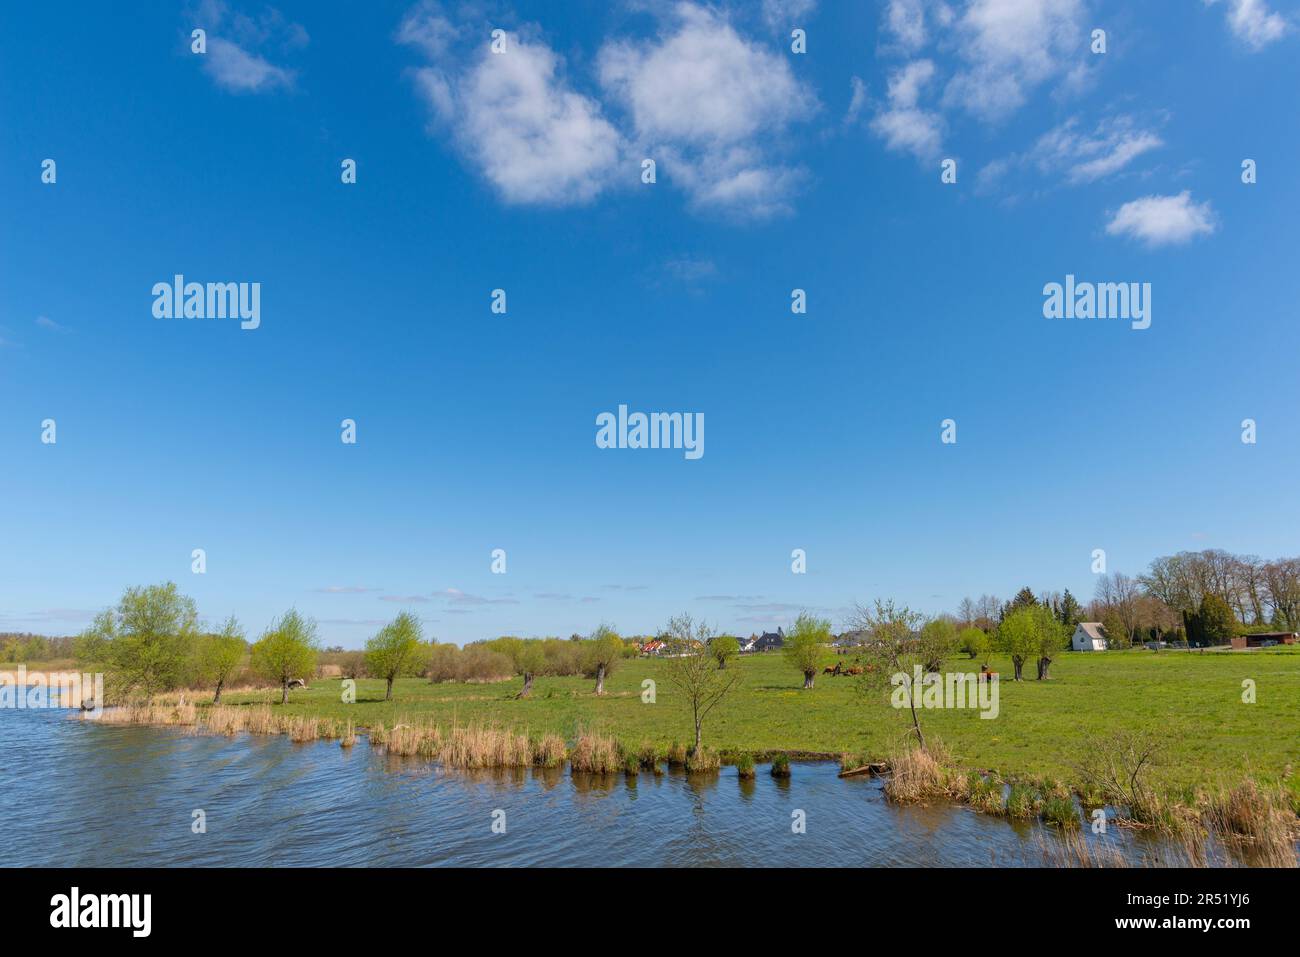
1072,849
676,755
595,754
702,761
1257,820
921,775
984,794
550,751
649,759
349,737
745,766
780,765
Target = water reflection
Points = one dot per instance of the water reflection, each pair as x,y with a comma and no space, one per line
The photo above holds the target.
94,795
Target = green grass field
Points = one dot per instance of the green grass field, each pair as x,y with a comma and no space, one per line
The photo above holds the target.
1192,700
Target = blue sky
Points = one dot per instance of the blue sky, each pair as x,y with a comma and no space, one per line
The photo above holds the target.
521,171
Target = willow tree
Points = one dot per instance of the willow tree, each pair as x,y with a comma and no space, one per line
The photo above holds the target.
603,651
395,650
805,645
286,651
147,642
219,654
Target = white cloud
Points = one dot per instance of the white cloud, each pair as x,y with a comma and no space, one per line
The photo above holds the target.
1009,48
1087,157
786,14
905,19
235,69
712,105
514,115
1163,220
232,58
45,322
903,125
455,596
1253,23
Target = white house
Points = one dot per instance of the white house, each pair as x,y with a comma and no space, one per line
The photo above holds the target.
1088,637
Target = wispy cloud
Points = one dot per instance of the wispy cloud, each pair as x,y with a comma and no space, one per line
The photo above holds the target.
455,596
1253,23
344,590
45,322
238,46
405,599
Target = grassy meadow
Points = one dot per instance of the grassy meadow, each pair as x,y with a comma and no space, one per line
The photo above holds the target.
1192,700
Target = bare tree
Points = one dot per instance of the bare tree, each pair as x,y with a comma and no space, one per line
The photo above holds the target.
896,649
692,669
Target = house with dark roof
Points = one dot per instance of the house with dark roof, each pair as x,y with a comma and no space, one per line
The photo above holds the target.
769,640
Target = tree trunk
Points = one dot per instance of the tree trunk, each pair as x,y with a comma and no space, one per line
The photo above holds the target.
722,663
284,693
1017,663
916,722
388,695
600,679
697,736
216,699
528,685
808,677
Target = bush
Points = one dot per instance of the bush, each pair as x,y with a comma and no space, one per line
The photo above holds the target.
443,663
781,766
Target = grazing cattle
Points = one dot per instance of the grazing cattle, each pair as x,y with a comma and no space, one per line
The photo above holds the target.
985,675
297,683
853,670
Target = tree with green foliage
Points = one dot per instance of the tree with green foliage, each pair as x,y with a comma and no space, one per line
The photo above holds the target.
286,651
693,671
724,648
939,638
1070,612
805,645
1022,634
603,651
396,650
974,641
530,658
218,655
1053,638
1217,623
146,643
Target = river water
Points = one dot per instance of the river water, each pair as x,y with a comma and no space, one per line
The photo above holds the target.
83,794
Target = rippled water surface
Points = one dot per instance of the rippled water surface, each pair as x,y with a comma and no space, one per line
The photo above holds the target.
81,794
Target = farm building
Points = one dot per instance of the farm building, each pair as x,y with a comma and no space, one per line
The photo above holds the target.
1088,636
1264,639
